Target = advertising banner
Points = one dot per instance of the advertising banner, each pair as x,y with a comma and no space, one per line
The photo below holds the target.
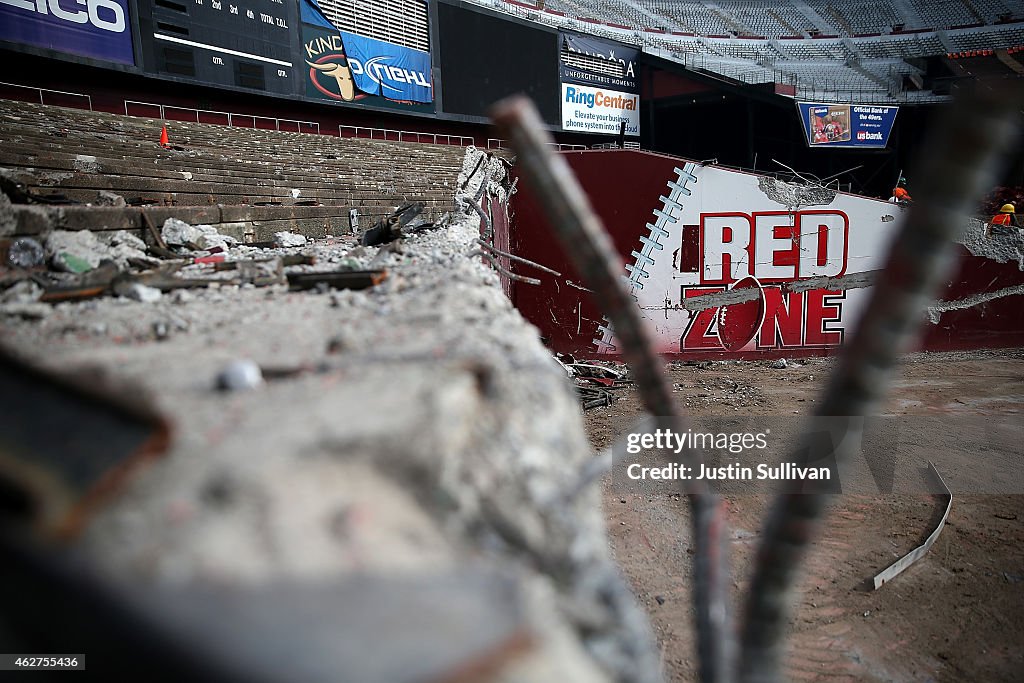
330,74
348,67
846,125
616,70
594,110
100,29
388,70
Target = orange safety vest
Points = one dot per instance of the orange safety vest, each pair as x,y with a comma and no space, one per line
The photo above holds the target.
901,193
1002,219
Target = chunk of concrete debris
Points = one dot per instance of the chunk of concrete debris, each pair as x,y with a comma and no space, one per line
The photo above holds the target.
106,198
178,233
24,292
182,296
123,248
126,238
240,375
289,239
26,311
25,252
213,240
75,251
780,364
138,292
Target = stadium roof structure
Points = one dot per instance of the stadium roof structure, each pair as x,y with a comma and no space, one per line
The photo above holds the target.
869,51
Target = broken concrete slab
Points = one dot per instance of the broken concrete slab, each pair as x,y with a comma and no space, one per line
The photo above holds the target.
124,237
138,292
22,292
437,434
178,233
211,239
286,239
75,251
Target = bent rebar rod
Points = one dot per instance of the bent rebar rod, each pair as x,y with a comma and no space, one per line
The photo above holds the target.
961,161
588,245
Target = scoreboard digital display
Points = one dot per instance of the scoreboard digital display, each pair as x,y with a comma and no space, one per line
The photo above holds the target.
241,43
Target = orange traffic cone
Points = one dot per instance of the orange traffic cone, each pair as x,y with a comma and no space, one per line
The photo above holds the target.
164,140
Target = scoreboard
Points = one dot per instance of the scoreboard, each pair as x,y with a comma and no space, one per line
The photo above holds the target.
241,43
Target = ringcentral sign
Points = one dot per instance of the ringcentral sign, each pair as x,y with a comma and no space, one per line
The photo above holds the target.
593,110
600,92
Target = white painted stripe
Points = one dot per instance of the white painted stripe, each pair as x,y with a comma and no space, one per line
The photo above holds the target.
214,48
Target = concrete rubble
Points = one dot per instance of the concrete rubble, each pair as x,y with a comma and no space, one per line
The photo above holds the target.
289,239
178,233
414,428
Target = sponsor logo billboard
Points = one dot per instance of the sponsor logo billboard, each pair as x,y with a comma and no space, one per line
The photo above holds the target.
346,67
589,61
90,28
596,110
846,125
331,73
388,70
600,91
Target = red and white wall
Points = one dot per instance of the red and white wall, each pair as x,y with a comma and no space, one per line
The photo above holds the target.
723,262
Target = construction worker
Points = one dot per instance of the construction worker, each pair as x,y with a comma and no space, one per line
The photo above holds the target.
900,194
1004,222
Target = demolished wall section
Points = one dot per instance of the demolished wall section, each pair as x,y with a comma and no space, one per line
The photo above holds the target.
416,428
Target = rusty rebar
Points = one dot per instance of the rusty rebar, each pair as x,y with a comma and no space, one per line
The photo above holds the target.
519,259
590,248
501,269
960,162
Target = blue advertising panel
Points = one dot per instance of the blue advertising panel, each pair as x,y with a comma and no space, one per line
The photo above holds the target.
388,70
846,125
375,67
329,75
90,28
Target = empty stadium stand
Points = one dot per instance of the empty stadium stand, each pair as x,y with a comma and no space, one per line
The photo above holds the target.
287,181
857,50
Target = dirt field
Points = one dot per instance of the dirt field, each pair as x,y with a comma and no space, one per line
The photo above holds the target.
956,615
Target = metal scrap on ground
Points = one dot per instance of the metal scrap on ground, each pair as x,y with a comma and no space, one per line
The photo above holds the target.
897,567
391,228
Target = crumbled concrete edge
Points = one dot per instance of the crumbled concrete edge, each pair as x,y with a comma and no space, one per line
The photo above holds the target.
934,312
793,195
444,434
1005,248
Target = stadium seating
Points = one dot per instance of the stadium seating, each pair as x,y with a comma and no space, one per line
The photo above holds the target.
78,153
857,49
940,14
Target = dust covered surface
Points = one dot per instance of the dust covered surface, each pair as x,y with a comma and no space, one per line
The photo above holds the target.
412,428
955,615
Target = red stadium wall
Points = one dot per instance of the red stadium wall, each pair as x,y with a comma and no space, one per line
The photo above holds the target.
811,262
